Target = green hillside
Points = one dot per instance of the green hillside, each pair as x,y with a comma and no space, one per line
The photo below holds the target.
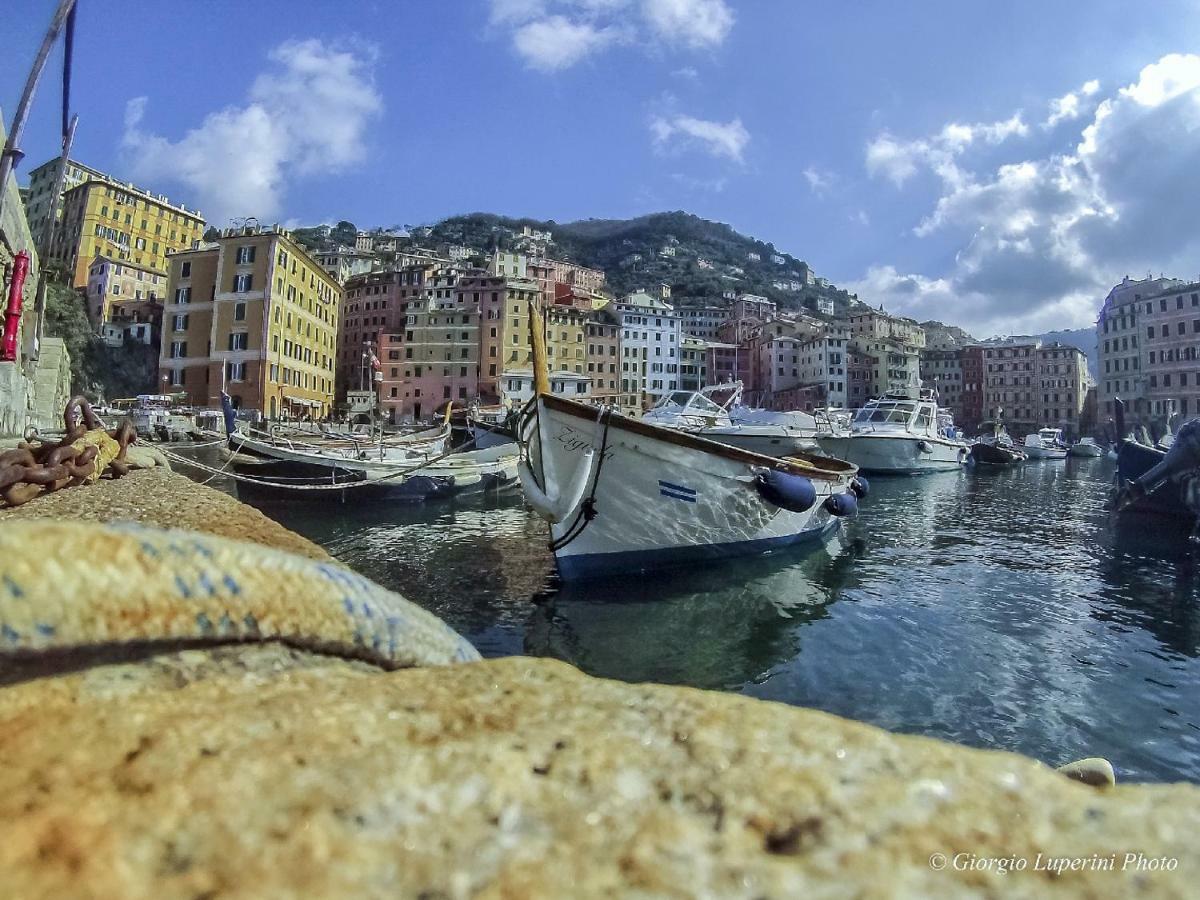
630,251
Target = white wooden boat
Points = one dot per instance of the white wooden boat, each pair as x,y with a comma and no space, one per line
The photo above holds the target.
623,495
1048,443
897,435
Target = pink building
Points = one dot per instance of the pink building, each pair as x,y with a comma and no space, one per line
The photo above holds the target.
435,360
589,281
375,304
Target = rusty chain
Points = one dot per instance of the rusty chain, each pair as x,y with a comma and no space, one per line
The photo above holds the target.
36,466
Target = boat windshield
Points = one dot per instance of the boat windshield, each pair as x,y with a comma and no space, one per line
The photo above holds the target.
885,411
692,401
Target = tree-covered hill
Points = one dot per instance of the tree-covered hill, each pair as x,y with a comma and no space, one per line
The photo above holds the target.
701,260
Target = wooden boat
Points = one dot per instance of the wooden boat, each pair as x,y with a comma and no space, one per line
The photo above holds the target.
993,447
475,471
625,495
1160,482
413,471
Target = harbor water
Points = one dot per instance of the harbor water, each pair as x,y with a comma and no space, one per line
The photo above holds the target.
999,609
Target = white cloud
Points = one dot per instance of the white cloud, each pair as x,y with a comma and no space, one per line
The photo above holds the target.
552,35
687,73
818,182
899,160
693,23
1040,241
557,43
1070,106
728,139
307,116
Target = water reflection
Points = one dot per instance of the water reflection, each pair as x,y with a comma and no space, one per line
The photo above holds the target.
713,629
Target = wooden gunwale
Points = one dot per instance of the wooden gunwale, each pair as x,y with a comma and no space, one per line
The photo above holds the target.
823,468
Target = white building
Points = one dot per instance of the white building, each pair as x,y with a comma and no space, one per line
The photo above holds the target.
344,263
825,306
1119,339
651,337
509,265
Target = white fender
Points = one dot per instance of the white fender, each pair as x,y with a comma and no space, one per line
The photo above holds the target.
556,508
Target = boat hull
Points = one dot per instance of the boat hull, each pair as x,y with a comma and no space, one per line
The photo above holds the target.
1085,451
460,473
895,454
661,498
1044,452
991,455
1133,461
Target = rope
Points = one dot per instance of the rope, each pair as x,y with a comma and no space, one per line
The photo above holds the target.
587,509
111,584
280,483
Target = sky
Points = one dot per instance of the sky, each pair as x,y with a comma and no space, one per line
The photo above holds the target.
995,165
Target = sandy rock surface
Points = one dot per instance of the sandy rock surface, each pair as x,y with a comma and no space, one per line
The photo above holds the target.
260,771
158,496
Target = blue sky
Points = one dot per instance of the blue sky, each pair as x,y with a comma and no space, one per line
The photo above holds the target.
933,156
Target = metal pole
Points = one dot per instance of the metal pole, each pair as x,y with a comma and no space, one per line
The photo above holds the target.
11,154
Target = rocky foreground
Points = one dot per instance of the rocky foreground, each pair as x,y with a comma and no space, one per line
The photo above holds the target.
251,768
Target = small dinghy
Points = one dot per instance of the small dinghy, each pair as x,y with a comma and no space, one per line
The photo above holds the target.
622,495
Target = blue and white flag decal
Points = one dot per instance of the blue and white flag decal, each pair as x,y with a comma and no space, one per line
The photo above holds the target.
677,491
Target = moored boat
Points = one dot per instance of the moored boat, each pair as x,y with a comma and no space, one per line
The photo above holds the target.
1046,444
624,495
994,447
899,435
1086,447
759,431
1160,482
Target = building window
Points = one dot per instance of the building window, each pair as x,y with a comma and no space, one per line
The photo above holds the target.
245,255
178,349
235,371
177,376
243,283
239,312
183,295
238,340
180,323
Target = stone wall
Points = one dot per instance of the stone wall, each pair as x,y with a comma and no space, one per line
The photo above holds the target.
51,384
16,387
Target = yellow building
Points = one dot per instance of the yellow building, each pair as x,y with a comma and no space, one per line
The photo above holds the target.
565,347
254,316
104,217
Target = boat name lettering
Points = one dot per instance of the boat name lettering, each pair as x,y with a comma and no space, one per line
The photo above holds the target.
571,439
